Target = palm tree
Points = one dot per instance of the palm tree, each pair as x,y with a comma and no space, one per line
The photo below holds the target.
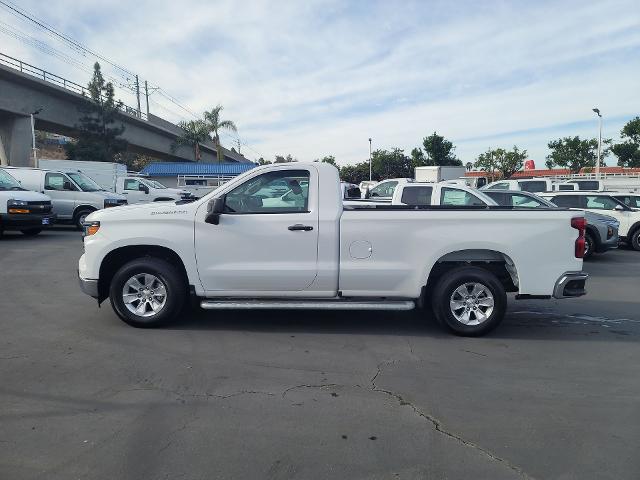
215,124
194,133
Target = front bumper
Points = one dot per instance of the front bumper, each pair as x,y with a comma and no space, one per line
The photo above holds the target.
608,244
570,284
22,221
88,286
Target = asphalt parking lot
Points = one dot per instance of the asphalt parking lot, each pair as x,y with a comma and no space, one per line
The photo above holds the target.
554,393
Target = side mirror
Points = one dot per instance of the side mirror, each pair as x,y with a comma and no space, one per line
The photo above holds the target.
214,210
619,208
66,185
143,188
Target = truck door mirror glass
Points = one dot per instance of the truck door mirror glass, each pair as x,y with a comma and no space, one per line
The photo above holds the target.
143,188
619,208
214,209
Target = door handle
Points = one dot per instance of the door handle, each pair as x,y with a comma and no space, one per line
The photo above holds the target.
299,226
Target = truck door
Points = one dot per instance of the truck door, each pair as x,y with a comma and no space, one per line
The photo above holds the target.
63,194
267,236
135,191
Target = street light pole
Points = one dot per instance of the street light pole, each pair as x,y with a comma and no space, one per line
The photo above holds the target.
597,111
369,159
33,136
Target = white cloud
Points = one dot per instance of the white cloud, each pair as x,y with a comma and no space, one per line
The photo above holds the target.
315,78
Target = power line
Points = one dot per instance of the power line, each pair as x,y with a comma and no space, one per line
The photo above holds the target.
19,12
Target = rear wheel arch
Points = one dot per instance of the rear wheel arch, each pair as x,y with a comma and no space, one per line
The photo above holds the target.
115,259
498,263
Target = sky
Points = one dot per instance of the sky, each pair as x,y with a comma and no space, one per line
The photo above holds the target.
314,78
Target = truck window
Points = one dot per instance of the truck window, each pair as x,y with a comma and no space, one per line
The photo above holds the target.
567,201
499,186
131,184
601,202
384,189
453,196
55,181
566,187
587,184
285,191
533,186
630,201
416,195
518,200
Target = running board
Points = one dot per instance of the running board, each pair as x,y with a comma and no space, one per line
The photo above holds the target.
306,305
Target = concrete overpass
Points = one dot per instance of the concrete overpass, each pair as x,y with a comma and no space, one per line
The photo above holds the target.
25,88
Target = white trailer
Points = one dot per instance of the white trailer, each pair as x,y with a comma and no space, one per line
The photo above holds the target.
438,174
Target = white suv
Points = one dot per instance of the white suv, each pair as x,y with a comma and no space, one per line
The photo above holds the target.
603,202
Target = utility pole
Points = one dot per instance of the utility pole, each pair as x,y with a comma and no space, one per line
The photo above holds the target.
369,159
33,136
597,111
146,95
138,94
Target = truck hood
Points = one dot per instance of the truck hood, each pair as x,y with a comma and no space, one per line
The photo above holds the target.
26,195
593,217
141,211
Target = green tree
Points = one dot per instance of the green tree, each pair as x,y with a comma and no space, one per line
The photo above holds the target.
215,125
439,151
98,137
505,162
628,152
390,164
575,153
355,173
194,132
262,161
417,157
330,159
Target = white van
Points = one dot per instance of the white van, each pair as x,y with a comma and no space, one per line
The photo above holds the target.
73,194
532,185
22,210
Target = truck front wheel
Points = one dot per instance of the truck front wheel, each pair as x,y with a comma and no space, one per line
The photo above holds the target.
470,301
147,292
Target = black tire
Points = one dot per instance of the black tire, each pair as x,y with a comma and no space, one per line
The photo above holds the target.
78,217
635,239
457,278
589,245
31,232
167,274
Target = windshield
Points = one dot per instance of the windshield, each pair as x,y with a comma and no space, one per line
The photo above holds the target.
156,184
85,183
7,182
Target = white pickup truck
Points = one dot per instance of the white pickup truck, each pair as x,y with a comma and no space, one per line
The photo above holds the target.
248,246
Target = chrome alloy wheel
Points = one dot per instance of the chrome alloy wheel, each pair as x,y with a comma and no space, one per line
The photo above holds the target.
144,295
471,303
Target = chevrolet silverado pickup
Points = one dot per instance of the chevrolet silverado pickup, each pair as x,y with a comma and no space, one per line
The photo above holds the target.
248,245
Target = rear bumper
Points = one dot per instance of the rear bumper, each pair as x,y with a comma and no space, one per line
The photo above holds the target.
21,221
88,286
570,284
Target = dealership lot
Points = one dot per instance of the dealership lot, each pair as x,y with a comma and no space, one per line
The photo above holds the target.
553,393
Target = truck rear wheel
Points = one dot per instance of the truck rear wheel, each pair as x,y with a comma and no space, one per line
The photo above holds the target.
470,301
147,292
589,245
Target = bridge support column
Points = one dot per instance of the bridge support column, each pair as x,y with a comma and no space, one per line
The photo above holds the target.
15,141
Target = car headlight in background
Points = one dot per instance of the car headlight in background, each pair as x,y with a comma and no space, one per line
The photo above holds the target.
17,206
114,202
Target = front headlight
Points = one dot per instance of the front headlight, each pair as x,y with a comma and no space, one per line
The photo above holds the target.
90,228
113,202
17,206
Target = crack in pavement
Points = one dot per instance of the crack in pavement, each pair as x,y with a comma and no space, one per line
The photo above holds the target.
437,424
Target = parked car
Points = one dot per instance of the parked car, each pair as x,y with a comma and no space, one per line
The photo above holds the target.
143,190
603,202
629,199
533,185
443,193
22,210
602,230
318,254
383,190
73,194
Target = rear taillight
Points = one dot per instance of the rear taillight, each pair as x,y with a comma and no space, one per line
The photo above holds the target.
580,224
